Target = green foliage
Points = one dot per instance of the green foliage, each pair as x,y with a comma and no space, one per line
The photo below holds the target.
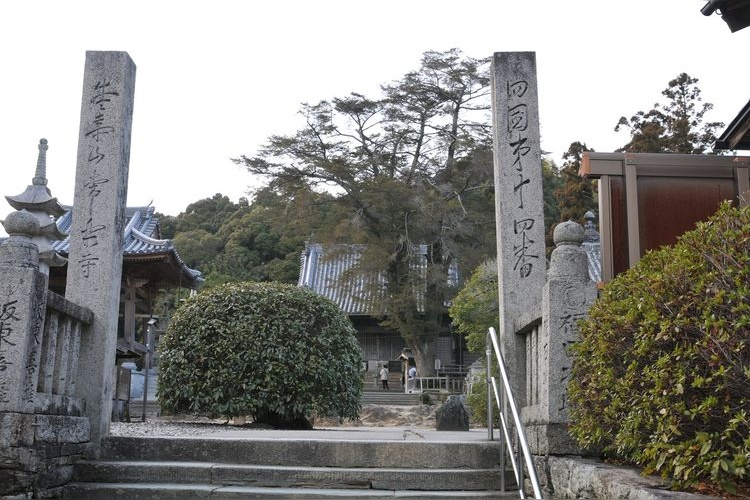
475,308
675,127
261,241
551,183
477,401
661,375
208,214
277,352
197,247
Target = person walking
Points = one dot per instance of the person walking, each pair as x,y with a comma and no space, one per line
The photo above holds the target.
384,378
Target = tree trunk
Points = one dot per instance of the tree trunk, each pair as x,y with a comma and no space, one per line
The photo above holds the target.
424,354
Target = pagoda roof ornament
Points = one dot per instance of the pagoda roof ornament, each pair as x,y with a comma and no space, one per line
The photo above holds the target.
37,197
37,201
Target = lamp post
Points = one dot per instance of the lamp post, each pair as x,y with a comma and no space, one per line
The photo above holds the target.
147,362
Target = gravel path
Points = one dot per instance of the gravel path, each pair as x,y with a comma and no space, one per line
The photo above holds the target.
421,416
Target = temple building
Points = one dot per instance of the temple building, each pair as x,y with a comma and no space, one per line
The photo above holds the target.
322,269
150,265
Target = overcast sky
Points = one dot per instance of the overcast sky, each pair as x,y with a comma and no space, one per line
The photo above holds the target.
216,78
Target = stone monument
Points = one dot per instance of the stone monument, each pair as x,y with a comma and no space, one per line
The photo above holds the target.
95,257
519,204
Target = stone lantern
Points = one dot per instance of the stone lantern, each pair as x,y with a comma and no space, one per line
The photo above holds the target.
39,202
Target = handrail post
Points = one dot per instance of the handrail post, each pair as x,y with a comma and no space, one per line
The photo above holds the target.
489,395
523,448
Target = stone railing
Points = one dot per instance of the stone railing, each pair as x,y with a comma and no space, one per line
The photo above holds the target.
531,336
61,344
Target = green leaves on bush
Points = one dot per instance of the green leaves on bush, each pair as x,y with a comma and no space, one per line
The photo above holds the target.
277,352
661,372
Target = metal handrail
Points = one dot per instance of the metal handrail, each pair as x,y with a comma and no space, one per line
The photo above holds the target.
503,399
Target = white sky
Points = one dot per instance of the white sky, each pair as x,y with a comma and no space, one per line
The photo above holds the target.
216,78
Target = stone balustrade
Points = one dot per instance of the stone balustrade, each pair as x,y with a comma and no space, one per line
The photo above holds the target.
61,345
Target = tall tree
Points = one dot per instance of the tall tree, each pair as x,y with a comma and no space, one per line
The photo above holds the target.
411,169
674,127
576,195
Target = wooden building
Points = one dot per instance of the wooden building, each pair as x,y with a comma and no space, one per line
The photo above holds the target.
648,200
150,265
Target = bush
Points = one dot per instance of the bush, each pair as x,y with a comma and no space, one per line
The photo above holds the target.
476,400
662,372
474,309
276,352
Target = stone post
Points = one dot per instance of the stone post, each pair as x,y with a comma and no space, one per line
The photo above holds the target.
95,257
23,293
518,205
568,295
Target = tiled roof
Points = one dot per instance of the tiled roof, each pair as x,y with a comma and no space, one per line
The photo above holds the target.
321,274
325,272
141,227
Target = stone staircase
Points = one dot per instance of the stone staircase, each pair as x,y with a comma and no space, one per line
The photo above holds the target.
221,468
386,398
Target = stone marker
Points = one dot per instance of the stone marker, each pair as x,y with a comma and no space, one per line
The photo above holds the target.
519,204
95,257
452,415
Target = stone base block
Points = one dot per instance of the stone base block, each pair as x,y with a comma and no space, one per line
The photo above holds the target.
55,404
14,482
60,429
16,429
54,475
550,439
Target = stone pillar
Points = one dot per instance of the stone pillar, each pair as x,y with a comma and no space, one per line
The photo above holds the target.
23,293
568,295
519,204
95,257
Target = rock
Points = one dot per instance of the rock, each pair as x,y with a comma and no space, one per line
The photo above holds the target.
452,416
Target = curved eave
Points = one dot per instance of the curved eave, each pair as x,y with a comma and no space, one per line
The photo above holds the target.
163,269
737,133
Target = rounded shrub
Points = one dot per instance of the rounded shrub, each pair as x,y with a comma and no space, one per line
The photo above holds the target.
278,353
662,371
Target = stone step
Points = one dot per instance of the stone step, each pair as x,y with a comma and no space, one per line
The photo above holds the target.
386,398
300,467
306,452
267,476
174,491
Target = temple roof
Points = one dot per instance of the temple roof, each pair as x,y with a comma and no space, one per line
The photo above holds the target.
145,254
324,271
321,275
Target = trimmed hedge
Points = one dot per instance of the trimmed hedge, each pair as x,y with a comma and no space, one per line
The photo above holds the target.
277,352
662,372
